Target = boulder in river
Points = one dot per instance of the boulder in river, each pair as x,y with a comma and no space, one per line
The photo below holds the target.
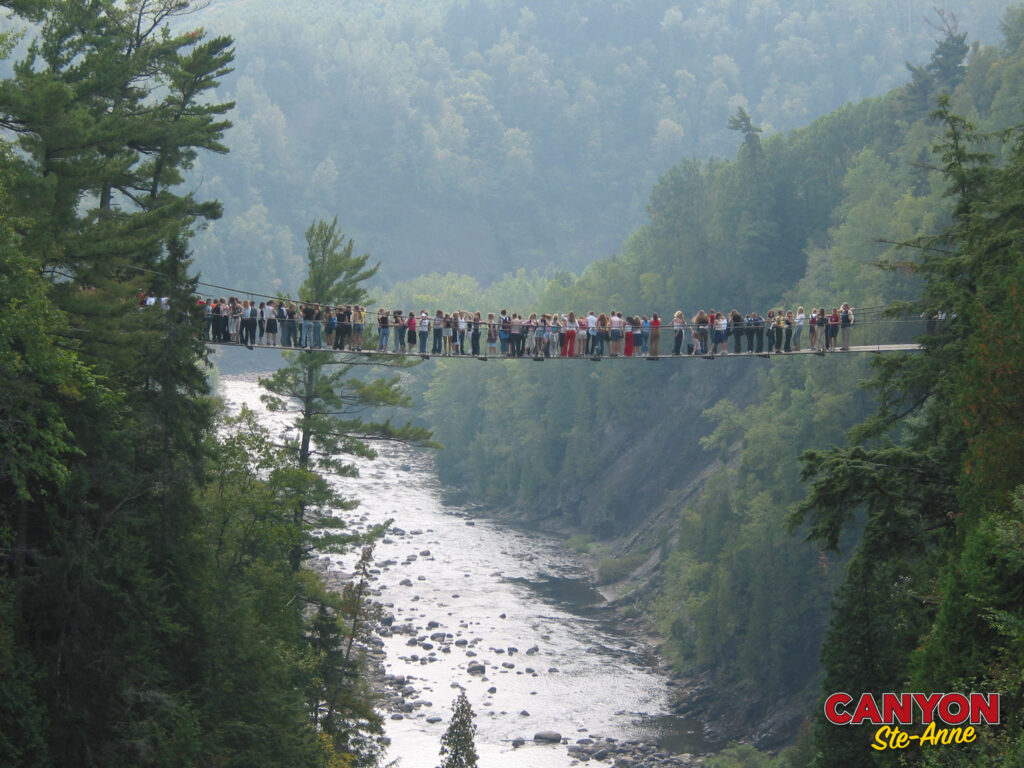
547,737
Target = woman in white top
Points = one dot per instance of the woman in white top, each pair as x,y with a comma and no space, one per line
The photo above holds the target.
722,329
615,326
798,326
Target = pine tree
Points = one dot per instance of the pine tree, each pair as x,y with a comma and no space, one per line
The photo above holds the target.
108,108
936,474
330,400
457,745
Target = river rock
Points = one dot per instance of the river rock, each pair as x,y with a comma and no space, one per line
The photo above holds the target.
547,737
475,668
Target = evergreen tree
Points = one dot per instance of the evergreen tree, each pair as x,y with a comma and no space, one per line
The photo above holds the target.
457,745
335,275
330,401
945,419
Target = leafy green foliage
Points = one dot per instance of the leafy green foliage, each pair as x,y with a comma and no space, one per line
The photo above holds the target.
922,607
484,137
149,610
811,216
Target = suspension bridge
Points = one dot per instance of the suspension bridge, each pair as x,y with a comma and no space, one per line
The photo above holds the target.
382,355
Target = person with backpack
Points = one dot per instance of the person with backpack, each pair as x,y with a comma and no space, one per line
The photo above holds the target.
504,331
845,323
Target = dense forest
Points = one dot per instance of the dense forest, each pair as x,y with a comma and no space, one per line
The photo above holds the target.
156,604
484,136
787,530
690,481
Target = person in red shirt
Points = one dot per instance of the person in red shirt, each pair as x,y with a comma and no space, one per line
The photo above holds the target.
655,334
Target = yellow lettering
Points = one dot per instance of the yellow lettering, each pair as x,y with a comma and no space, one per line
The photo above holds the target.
930,736
890,737
880,738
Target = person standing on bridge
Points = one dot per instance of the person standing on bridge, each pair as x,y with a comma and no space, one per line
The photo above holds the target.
721,345
306,335
655,334
330,326
504,331
286,322
492,335
474,335
758,325
798,327
737,326
591,332
383,329
845,322
449,335
235,318
833,329
615,333
571,329
700,336
410,331
463,330
436,327
342,327
778,329
678,332
252,322
821,343
516,335
271,317
398,325
318,326
423,330
603,334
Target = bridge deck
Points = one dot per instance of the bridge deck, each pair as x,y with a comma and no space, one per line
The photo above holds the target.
874,348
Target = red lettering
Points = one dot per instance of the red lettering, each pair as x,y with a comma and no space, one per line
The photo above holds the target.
866,710
832,704
946,708
985,708
899,709
927,705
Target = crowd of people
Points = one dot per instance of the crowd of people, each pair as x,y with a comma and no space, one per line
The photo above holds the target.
312,326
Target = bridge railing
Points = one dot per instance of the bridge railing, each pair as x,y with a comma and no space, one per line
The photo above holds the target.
868,333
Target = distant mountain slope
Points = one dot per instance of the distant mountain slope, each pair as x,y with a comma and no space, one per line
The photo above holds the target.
489,135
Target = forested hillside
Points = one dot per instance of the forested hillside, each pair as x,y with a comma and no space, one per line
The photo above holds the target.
693,470
487,135
155,607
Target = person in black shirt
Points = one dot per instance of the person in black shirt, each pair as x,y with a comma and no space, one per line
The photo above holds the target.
736,328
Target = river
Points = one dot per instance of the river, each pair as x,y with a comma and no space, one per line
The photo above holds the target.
515,600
